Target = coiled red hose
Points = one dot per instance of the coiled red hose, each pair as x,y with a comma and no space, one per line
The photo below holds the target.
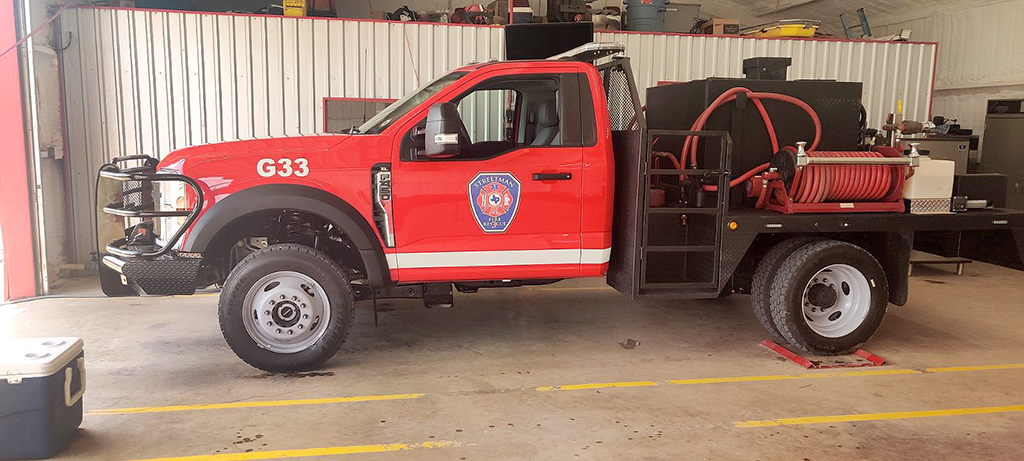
847,183
814,183
690,143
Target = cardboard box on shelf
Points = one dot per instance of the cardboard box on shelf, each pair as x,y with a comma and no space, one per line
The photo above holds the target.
722,27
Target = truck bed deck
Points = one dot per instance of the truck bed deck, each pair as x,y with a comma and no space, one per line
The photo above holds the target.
992,235
768,221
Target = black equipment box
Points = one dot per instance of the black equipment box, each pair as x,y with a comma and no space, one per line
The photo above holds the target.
766,68
838,104
543,40
982,186
42,381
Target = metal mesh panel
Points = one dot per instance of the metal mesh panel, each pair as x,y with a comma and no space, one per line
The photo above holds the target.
620,103
137,195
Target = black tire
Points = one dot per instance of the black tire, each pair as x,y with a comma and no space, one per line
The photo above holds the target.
286,257
763,274
792,278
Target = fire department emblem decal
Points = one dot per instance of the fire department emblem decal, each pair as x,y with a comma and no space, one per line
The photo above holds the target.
494,198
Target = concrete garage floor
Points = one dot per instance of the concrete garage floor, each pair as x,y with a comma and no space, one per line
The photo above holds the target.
478,367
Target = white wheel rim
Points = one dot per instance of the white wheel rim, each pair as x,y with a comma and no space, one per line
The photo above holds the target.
286,312
838,317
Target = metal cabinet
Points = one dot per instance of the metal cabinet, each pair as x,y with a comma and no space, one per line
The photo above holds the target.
1002,151
955,148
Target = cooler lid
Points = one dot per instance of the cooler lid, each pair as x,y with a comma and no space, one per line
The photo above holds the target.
33,357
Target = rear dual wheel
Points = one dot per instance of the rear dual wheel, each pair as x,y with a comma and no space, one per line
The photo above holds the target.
760,294
826,297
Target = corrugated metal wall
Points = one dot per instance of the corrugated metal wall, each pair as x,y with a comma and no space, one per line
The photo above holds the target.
890,71
150,82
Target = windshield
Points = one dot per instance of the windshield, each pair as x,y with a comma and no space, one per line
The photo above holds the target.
401,107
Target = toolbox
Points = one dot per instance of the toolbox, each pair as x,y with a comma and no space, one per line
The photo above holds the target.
42,381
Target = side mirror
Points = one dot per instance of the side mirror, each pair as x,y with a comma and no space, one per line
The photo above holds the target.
444,134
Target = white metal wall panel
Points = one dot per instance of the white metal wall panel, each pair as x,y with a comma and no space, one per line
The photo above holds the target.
890,71
139,81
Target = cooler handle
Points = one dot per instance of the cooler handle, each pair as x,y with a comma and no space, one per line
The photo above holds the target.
69,399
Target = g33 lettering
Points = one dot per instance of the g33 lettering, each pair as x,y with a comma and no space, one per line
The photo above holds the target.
283,167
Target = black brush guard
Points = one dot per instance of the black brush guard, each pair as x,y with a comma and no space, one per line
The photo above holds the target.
160,270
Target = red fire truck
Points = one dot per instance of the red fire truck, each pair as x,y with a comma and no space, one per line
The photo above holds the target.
699,196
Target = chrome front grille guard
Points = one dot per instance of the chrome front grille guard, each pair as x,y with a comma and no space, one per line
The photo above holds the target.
137,201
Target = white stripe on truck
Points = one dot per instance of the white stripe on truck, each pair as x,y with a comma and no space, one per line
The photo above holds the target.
497,258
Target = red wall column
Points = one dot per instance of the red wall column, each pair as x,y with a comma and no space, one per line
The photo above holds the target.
15,220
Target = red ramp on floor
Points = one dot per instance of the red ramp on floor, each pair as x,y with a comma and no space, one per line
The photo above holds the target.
860,358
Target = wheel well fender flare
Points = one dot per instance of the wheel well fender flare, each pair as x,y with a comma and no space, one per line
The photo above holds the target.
307,199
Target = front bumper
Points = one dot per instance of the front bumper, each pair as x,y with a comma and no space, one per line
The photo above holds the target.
168,275
128,267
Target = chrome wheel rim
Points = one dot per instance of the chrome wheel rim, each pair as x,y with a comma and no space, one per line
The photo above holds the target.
286,312
836,300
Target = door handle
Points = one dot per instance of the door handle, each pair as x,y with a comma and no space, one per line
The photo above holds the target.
552,176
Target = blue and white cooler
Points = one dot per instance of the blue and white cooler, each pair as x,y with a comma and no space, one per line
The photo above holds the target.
42,381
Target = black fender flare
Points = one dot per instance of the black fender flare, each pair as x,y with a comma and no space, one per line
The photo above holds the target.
272,197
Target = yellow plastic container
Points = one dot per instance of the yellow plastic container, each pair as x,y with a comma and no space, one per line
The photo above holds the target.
294,7
783,29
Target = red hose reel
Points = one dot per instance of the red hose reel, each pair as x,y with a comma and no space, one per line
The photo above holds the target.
833,181
809,181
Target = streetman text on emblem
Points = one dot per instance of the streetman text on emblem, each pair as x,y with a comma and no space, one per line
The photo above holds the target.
494,199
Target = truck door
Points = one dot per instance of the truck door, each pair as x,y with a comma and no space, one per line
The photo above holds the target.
506,207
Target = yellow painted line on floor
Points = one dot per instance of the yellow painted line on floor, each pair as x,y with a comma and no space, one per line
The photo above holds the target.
1008,366
577,387
730,379
565,387
879,416
757,378
307,452
257,404
831,374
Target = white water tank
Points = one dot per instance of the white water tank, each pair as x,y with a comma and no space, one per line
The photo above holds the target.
930,190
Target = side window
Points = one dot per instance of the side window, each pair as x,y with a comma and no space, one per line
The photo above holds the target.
503,114
507,113
489,115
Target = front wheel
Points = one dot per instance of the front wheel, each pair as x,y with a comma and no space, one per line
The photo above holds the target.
286,308
828,297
